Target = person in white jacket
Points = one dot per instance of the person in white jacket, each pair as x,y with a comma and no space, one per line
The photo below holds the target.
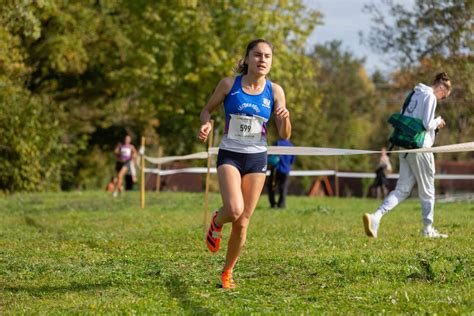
417,167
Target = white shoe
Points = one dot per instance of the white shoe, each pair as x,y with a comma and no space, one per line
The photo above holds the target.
115,194
371,225
433,233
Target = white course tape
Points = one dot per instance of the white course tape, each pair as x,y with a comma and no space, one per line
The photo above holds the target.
463,147
315,151
454,176
396,176
296,173
300,173
319,151
161,160
168,172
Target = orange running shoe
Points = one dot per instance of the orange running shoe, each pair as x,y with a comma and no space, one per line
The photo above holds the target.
214,234
227,282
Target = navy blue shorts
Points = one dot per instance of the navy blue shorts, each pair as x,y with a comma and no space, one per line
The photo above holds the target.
245,163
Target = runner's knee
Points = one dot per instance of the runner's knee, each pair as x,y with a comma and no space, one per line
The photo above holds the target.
123,171
234,210
241,225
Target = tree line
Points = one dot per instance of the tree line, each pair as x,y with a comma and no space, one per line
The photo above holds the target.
75,76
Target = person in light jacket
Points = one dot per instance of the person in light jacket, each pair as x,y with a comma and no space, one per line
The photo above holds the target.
417,167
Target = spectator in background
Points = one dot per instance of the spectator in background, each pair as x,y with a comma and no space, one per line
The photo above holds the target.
417,168
125,154
111,185
279,176
383,169
131,177
129,181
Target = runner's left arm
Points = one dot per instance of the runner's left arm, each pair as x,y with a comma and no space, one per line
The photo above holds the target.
134,153
282,115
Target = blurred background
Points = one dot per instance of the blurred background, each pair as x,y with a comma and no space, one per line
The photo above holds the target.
76,76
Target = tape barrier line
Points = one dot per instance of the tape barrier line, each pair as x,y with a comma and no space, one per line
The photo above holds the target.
319,151
161,160
302,173
454,176
462,147
295,173
168,172
317,173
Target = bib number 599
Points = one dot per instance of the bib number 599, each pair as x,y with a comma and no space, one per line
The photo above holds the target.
245,128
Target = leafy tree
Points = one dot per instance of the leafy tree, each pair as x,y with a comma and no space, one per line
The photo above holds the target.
32,152
346,109
31,147
430,28
142,67
195,46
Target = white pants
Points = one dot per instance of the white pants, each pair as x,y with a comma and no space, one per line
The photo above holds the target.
419,168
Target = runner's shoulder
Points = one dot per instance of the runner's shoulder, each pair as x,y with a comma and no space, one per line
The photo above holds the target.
277,89
225,85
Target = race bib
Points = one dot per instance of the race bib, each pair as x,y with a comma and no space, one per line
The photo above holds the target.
125,153
245,128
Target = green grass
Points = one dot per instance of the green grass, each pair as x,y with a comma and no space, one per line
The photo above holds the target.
86,252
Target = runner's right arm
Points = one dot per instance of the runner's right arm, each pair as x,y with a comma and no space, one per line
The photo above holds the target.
221,91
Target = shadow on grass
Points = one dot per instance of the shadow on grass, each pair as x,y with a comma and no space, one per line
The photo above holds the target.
69,204
45,290
179,290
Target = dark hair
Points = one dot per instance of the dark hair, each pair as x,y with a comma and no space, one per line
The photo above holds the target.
443,78
242,67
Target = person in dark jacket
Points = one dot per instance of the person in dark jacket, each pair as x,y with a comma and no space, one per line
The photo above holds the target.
279,177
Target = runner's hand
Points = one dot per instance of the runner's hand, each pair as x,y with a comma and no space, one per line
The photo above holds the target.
204,131
282,113
442,123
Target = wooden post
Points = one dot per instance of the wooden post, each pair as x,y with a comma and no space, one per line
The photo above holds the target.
336,179
142,175
158,179
328,186
208,175
158,166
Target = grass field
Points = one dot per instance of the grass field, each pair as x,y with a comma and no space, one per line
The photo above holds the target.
86,252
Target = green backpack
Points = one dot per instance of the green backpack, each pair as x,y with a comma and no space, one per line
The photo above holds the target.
273,160
409,132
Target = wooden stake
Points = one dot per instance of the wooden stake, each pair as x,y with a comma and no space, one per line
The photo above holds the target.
142,175
206,193
158,177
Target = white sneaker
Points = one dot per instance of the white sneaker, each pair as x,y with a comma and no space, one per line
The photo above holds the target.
433,233
371,225
115,194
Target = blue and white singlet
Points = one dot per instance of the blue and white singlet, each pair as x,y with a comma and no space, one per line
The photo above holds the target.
246,118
